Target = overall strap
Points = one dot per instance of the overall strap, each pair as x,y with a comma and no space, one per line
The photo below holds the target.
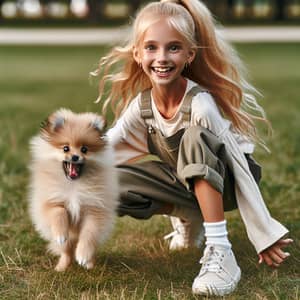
187,101
145,105
146,109
185,109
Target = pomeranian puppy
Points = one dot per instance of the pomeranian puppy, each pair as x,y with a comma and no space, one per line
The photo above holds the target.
73,187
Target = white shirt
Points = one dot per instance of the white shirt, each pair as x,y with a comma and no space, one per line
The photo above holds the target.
129,137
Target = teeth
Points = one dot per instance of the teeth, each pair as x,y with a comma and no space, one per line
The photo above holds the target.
162,70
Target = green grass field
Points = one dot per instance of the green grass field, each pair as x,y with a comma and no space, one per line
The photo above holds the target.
136,263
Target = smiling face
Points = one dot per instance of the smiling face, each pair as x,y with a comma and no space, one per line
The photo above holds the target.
163,54
75,139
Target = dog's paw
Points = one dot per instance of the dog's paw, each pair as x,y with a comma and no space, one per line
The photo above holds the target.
88,264
60,239
81,261
60,268
84,256
63,263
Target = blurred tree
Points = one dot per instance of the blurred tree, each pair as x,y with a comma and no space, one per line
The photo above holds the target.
280,10
1,2
96,10
230,7
230,4
248,8
44,4
134,6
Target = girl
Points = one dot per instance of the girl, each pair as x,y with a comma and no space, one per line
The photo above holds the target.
179,93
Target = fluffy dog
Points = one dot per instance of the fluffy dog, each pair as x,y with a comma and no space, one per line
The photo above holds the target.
74,187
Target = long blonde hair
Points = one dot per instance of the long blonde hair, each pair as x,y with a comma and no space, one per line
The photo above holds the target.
216,66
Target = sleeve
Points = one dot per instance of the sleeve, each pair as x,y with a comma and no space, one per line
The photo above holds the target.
262,229
206,113
129,135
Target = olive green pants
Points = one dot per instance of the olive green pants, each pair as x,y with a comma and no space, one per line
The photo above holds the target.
145,188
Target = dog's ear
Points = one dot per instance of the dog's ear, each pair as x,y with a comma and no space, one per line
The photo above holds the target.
99,123
57,122
52,124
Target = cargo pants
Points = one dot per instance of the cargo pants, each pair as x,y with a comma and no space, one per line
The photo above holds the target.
191,153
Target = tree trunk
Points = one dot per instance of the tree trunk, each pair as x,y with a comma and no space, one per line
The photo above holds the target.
134,6
280,7
96,10
230,7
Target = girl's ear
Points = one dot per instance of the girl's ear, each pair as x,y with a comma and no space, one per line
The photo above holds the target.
136,55
192,55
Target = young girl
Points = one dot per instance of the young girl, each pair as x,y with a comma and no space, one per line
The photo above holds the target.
179,95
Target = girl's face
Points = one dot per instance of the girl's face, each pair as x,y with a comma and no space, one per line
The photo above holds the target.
163,54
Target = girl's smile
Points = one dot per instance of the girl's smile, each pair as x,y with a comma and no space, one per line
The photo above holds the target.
162,71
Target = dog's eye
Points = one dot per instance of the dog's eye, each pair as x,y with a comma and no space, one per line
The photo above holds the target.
66,148
84,149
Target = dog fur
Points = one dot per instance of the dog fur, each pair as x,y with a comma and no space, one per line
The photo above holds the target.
73,186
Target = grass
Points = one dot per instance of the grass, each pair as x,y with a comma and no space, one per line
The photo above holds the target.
136,263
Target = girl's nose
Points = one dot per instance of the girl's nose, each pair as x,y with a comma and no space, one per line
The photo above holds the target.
162,56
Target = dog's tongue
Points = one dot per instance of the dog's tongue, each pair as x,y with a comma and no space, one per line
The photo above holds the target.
73,171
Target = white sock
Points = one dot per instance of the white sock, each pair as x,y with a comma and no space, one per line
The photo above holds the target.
216,234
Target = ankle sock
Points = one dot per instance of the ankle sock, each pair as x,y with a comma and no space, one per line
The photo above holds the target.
216,234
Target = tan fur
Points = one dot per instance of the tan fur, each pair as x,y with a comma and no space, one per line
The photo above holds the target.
75,216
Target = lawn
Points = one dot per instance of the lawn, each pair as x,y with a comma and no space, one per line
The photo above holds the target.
135,263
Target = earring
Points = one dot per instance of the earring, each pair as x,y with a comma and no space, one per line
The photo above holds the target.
187,65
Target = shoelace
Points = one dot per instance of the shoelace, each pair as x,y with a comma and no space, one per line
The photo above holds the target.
211,260
171,234
180,229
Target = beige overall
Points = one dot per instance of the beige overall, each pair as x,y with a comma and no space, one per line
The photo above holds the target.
192,152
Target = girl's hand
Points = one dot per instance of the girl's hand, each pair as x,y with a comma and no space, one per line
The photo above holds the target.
274,255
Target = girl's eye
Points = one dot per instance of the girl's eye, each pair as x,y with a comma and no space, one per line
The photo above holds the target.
84,149
149,47
66,148
174,48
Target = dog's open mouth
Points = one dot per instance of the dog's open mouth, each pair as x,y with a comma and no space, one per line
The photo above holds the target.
72,170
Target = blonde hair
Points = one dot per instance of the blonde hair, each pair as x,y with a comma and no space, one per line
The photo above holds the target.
216,66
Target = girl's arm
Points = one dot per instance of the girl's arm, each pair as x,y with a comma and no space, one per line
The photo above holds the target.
265,233
129,135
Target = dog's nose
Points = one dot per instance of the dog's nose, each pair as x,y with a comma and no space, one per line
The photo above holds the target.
75,157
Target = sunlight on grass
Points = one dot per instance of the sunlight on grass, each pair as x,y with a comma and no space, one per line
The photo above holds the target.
136,263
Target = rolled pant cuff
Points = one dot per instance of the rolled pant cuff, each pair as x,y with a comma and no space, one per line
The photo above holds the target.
200,171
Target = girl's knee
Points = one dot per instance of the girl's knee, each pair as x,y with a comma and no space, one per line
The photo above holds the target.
199,145
201,135
201,155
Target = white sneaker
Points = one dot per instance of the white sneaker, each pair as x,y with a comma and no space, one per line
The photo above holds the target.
187,233
219,274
